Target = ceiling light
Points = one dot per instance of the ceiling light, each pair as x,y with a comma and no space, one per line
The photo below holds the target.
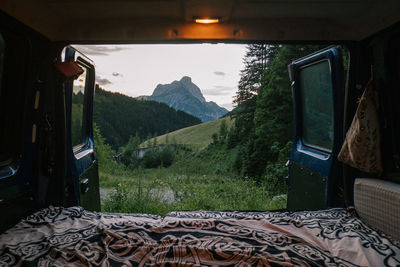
206,20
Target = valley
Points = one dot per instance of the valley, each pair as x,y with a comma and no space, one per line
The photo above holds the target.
201,177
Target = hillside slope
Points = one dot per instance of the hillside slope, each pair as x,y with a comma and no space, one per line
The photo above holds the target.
198,136
119,116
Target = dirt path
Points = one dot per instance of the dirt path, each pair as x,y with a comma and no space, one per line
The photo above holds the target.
166,195
104,192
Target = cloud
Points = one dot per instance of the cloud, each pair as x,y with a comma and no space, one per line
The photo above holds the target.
219,90
99,50
219,73
117,74
102,81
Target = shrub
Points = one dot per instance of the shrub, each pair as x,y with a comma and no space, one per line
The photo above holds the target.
127,157
117,201
167,156
276,172
158,157
104,153
151,159
214,137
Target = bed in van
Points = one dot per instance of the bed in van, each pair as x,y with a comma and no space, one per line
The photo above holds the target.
343,185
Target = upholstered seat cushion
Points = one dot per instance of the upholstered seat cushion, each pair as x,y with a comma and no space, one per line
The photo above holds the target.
378,204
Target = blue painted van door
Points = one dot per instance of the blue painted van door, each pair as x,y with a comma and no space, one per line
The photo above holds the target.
318,92
82,171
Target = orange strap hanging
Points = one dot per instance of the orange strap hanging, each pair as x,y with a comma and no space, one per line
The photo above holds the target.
70,69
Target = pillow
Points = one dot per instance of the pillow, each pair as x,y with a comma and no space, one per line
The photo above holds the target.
361,148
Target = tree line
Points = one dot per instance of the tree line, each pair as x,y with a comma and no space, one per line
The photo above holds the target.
119,117
263,129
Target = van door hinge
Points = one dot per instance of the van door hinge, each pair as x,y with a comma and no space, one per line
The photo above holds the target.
47,124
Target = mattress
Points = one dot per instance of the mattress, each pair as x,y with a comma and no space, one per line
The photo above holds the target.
58,236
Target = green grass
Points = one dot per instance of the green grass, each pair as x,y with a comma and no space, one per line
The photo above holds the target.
151,193
198,136
198,180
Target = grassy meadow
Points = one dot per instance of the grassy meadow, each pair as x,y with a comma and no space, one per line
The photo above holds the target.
197,136
202,177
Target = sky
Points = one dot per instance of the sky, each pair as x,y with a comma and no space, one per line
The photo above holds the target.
136,70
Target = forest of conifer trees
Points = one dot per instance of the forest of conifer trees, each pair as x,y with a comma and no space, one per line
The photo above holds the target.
263,127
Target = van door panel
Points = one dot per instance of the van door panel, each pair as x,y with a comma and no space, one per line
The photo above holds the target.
318,89
89,188
312,184
22,64
82,171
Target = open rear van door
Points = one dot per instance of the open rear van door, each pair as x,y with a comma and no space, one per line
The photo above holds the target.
318,92
82,166
16,127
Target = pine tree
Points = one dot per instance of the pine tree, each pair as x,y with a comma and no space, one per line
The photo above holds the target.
223,131
148,142
256,60
273,117
264,116
104,152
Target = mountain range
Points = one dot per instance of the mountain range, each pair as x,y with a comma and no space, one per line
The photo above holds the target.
184,95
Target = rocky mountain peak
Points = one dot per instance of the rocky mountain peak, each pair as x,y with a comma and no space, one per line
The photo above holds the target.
186,96
185,84
186,80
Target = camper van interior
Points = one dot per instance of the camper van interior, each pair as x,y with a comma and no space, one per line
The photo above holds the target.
343,197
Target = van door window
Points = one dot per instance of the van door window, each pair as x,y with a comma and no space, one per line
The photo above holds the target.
317,105
78,115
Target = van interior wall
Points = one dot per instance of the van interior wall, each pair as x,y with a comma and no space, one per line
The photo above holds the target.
358,76
27,70
393,59
386,61
376,57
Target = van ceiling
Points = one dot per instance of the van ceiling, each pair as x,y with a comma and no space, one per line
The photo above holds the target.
124,21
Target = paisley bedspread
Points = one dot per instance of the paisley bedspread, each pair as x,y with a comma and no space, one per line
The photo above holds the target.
74,237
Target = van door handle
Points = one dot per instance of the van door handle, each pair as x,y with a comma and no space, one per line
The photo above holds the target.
84,185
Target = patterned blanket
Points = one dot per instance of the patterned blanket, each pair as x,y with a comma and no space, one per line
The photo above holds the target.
75,237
